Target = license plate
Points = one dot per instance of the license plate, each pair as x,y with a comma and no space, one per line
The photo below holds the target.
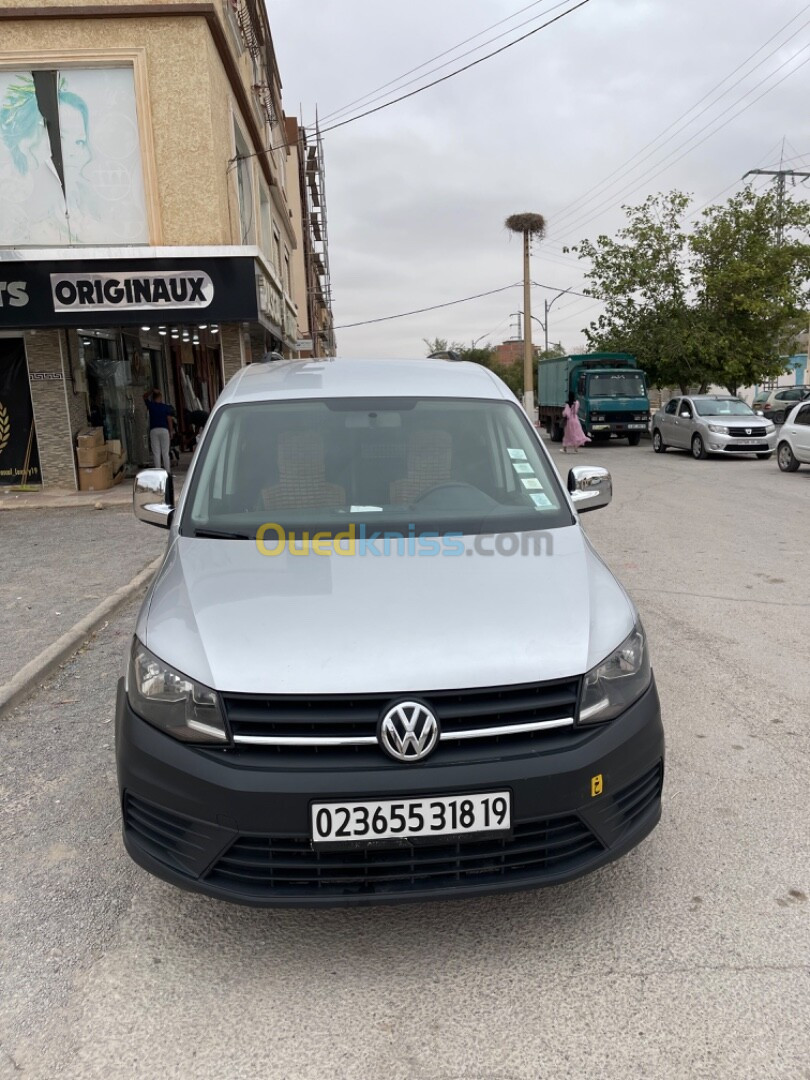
404,819
636,427
745,442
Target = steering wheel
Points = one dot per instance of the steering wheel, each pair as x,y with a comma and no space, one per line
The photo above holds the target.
458,484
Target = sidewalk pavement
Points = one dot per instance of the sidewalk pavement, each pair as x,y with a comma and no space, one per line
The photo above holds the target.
57,566
53,498
62,498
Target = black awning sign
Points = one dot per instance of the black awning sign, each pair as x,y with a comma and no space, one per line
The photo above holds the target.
118,292
13,294
132,292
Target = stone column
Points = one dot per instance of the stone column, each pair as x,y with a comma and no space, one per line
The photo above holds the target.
231,346
44,352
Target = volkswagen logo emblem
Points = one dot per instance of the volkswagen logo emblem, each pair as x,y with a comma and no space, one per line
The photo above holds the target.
408,731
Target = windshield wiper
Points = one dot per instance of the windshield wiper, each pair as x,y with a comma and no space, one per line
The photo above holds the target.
212,534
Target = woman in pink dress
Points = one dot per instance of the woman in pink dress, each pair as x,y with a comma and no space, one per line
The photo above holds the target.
574,436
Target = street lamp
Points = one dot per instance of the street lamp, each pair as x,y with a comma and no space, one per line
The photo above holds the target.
475,342
544,325
548,306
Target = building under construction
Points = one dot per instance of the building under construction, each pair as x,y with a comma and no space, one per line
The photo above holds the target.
315,240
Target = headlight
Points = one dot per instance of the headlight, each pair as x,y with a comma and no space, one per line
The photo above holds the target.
718,429
181,707
617,682
770,428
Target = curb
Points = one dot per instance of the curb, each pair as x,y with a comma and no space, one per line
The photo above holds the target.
28,677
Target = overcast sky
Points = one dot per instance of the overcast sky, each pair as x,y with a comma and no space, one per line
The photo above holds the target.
417,193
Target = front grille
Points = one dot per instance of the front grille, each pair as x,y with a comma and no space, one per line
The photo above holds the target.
734,448
260,866
295,724
634,800
180,842
620,417
747,433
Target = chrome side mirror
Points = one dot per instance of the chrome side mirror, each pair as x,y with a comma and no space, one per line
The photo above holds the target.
759,413
153,497
590,487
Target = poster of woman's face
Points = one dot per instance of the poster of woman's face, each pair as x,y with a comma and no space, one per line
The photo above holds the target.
70,161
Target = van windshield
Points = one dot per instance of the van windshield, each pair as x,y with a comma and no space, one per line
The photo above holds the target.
620,384
466,466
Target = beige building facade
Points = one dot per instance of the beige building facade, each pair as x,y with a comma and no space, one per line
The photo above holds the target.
152,232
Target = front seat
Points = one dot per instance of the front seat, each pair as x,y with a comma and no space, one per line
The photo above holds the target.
429,457
302,475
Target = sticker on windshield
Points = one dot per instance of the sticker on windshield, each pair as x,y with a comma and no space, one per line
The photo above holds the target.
516,455
522,467
541,500
532,483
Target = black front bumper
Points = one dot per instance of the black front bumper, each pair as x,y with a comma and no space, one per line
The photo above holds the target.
196,819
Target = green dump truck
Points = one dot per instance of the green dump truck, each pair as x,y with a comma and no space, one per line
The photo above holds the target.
611,391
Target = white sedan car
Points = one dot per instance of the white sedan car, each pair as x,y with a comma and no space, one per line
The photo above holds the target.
793,448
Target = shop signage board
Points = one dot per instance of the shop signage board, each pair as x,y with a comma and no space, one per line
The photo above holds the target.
118,292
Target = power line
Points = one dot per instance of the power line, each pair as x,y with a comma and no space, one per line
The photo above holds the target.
449,303
438,56
427,86
555,288
433,307
458,71
665,163
709,202
569,209
779,175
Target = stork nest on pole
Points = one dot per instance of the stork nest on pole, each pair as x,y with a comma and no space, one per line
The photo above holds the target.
533,224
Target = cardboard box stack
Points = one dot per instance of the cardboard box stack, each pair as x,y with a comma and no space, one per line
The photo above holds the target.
101,464
116,458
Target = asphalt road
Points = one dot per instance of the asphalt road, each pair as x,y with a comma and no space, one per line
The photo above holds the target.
689,958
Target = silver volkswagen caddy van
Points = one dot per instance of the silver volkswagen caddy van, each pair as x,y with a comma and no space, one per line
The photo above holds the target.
381,660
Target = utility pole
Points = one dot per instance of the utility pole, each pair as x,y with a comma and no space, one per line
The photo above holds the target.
528,225
779,175
528,357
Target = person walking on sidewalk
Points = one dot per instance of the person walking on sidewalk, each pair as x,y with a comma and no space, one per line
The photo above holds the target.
161,426
574,436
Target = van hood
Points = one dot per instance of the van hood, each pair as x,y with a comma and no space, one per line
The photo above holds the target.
243,622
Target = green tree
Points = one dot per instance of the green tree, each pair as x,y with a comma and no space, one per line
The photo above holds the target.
512,374
751,291
643,278
439,344
713,306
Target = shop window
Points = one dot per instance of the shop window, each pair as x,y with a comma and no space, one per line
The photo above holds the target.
244,183
230,8
267,224
70,158
276,251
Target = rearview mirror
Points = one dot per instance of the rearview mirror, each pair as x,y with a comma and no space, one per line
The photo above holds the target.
685,416
590,487
153,497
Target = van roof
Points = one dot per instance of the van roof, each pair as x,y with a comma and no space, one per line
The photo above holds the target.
332,377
